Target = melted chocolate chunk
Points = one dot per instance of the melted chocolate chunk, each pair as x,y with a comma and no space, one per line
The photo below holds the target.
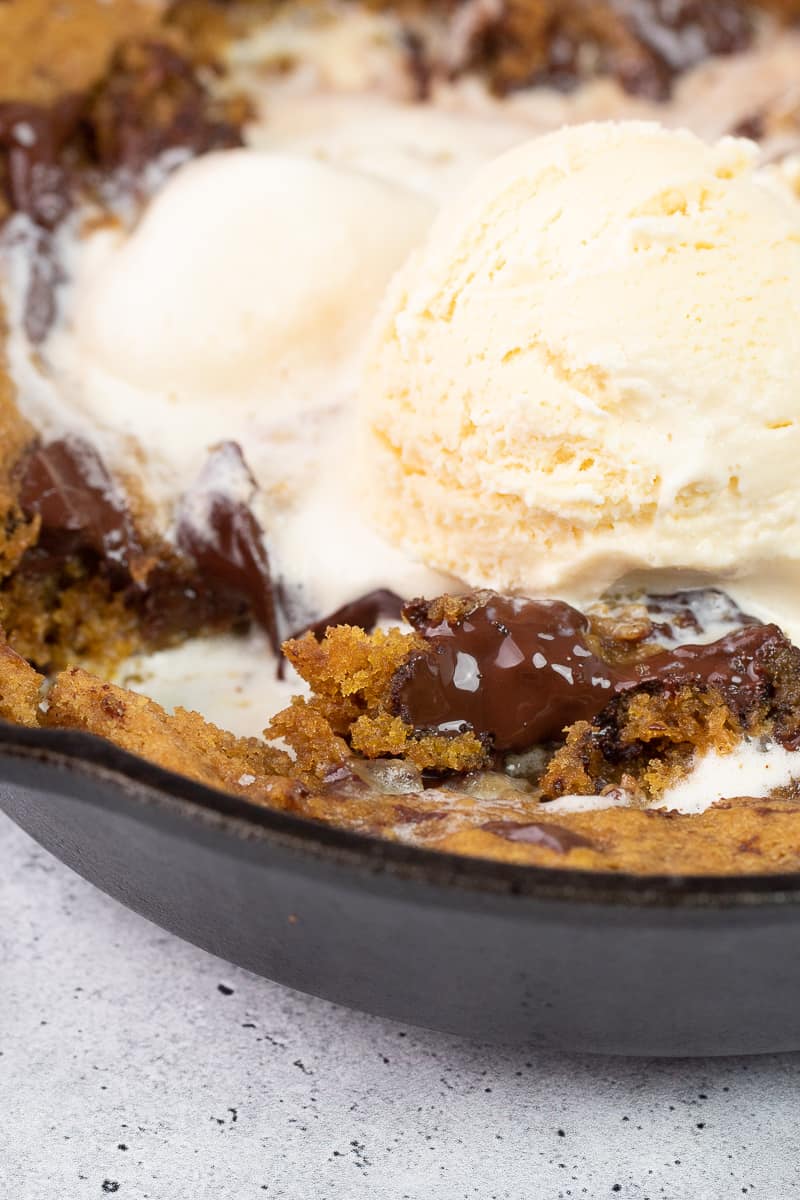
218,530
34,177
68,487
83,513
644,44
681,33
513,669
753,127
153,100
542,833
85,523
365,612
561,68
521,671
676,35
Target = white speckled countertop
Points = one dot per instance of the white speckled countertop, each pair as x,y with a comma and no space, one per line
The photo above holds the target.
132,1063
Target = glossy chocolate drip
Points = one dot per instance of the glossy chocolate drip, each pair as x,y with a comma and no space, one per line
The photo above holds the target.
67,486
82,512
218,530
365,612
520,671
540,833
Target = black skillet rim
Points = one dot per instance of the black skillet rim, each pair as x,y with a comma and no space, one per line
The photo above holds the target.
92,756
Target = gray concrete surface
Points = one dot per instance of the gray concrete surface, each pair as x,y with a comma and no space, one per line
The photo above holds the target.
133,1064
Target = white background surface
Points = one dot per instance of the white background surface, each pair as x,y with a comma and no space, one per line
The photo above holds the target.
125,1070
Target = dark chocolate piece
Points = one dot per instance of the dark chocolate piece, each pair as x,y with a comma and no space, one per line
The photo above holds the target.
752,127
540,833
670,37
33,174
153,100
561,68
86,523
217,528
682,33
35,180
365,612
66,484
521,671
644,44
508,669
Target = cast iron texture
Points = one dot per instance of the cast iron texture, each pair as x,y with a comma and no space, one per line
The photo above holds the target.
551,959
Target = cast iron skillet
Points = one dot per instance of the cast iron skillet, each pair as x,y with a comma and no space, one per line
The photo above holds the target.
556,959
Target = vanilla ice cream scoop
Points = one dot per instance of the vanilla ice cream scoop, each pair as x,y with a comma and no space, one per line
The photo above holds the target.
246,269
591,371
